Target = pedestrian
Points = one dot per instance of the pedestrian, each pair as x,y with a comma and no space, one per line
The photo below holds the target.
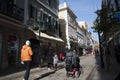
75,60
61,56
93,52
66,50
26,57
50,58
68,60
55,61
84,52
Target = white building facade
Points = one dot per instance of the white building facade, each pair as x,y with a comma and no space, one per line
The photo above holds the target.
68,25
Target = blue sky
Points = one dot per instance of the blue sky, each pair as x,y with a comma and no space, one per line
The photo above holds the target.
84,10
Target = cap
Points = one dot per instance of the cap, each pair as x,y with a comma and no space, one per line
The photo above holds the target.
27,42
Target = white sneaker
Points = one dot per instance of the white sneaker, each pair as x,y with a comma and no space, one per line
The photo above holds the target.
49,69
23,79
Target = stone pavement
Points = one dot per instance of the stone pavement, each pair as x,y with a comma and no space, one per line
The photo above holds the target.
19,75
87,62
101,74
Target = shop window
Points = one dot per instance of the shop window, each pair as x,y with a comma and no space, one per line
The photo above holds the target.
12,50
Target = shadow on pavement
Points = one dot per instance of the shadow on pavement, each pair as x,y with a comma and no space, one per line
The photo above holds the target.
12,70
61,67
113,73
44,75
49,73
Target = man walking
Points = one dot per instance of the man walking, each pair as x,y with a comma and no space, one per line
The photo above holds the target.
26,57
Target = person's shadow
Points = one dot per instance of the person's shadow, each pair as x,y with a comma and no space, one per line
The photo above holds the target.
44,75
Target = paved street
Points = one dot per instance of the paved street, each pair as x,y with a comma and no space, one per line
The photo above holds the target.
87,63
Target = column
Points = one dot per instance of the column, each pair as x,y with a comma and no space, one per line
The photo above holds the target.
25,12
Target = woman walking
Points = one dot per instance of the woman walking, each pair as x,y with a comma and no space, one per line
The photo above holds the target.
55,61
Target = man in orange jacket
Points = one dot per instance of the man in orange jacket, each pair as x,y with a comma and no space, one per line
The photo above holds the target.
26,57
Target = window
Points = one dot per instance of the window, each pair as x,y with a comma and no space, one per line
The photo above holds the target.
119,3
41,16
49,1
13,49
33,12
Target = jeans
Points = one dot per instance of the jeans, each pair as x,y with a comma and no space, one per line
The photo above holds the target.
27,68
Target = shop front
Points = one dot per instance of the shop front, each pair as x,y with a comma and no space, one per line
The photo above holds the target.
9,48
11,41
47,41
13,50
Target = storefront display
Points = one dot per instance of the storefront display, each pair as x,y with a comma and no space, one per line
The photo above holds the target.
12,49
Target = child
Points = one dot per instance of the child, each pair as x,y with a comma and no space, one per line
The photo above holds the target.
55,61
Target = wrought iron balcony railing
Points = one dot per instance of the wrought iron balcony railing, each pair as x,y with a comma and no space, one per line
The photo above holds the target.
12,11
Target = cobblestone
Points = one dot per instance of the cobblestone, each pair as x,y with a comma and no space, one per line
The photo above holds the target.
87,63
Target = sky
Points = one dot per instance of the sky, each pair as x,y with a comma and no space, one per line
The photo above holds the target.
85,11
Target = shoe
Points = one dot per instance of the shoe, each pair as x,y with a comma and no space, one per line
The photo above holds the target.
23,79
49,69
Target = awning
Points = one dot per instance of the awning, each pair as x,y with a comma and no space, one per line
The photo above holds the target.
48,36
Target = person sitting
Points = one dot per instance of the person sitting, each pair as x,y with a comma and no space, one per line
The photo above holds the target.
75,60
68,60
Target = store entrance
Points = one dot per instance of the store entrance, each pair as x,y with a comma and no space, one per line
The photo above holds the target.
12,55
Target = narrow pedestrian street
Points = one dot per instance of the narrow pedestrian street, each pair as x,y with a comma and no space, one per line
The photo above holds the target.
87,63
44,39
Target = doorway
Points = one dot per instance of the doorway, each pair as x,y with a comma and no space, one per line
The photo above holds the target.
13,47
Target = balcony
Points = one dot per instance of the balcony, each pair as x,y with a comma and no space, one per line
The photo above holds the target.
46,5
12,11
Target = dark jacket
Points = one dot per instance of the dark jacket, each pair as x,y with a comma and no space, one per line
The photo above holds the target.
50,56
75,60
69,56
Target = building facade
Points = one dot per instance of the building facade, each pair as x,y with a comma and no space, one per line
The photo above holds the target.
112,36
13,32
34,20
83,26
81,39
86,40
68,26
43,20
109,38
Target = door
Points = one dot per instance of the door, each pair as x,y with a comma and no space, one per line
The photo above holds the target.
13,47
